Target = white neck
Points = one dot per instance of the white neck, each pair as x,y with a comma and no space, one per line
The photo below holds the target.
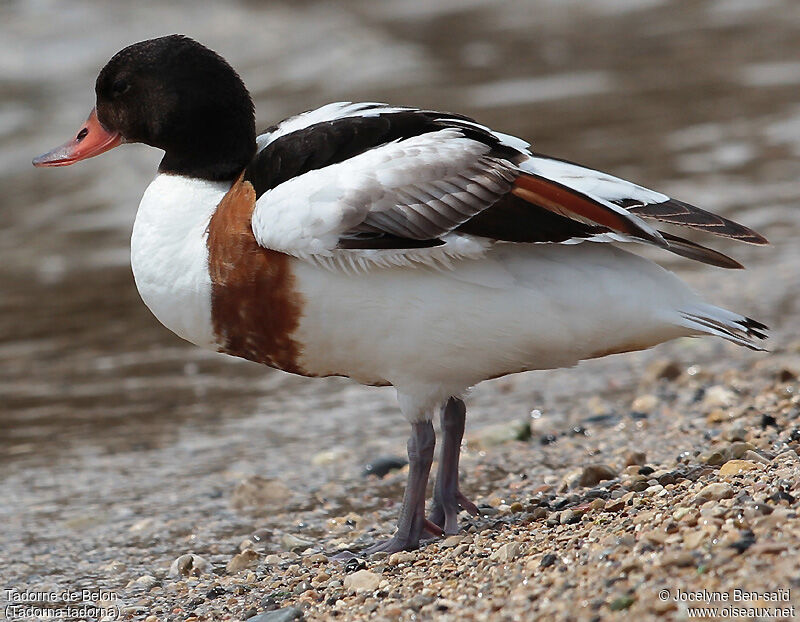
169,255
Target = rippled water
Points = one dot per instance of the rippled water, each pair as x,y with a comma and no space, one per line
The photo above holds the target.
696,98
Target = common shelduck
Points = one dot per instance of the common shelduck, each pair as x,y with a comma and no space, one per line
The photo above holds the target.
391,245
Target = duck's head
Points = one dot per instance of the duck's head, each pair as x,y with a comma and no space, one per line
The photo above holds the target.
174,94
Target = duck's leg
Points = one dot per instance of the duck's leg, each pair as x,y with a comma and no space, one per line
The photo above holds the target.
447,497
412,522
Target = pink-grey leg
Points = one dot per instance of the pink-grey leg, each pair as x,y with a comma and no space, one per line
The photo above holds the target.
447,497
412,522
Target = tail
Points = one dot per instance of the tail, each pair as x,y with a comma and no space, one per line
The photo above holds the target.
711,320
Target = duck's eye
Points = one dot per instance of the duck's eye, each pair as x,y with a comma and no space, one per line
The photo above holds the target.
119,87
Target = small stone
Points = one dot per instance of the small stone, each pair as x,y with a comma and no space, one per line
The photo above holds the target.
419,601
693,539
717,416
680,559
567,517
259,492
593,474
273,560
738,449
114,567
635,458
362,581
747,540
451,541
501,433
330,456
290,542
189,565
663,370
507,552
715,492
548,560
718,396
621,603
383,465
736,433
354,564
401,557
644,403
733,467
288,614
755,457
680,513
241,561
712,457
145,581
617,505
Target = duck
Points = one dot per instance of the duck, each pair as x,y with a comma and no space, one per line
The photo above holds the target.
391,245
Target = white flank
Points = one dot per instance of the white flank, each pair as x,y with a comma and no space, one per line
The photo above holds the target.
169,256
433,333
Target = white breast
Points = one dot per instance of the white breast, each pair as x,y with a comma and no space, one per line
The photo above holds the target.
169,255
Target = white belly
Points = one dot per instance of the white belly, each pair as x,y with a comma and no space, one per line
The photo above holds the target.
519,308
169,257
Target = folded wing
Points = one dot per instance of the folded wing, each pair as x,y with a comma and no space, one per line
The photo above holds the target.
398,185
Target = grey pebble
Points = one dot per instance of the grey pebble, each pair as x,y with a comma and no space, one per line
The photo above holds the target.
279,615
383,465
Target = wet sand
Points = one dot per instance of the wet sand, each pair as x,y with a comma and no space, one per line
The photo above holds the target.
121,444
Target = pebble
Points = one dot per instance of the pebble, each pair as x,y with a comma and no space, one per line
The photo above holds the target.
736,433
718,396
712,457
507,552
499,434
739,449
734,467
635,458
663,370
401,557
681,559
145,582
755,457
714,492
593,474
694,539
362,581
291,542
241,561
259,492
189,565
451,541
289,614
548,560
644,403
382,466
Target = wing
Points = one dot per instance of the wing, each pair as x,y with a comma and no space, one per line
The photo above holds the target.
370,184
638,200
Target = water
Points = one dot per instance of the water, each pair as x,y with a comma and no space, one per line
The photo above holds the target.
698,99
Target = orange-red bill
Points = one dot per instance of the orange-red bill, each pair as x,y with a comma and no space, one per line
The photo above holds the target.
93,139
